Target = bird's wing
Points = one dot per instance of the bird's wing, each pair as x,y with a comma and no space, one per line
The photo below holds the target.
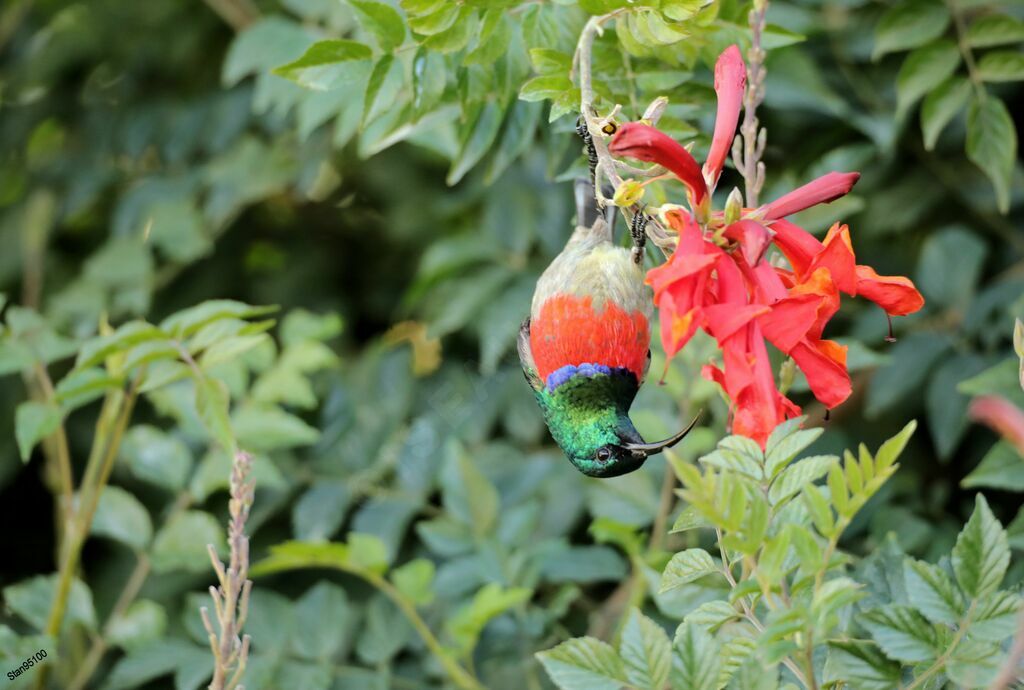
526,356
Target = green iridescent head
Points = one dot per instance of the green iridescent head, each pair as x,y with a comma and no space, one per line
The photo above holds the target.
588,416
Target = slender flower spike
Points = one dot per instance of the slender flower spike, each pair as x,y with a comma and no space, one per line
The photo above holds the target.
718,279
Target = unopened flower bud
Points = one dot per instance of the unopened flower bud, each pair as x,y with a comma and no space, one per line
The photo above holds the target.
787,371
654,111
628,193
733,206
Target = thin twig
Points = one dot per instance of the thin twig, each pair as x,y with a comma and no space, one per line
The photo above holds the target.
965,49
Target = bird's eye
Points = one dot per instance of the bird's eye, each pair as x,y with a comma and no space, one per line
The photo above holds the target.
604,454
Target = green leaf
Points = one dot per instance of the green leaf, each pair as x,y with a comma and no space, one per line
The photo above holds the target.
646,652
214,474
910,361
492,40
32,599
584,663
863,666
516,138
696,663
995,617
941,106
156,457
382,21
439,18
689,518
367,552
456,36
380,74
950,266
157,659
712,614
981,554
947,408
992,144
974,664
120,516
187,322
995,30
481,136
908,25
34,421
793,478
467,493
414,580
1001,65
325,614
923,70
94,351
545,87
321,60
383,632
685,567
784,449
268,427
181,543
903,634
429,79
212,404
489,602
318,514
932,592
1002,468
139,625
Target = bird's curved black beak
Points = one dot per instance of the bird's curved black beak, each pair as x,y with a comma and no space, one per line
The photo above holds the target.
646,449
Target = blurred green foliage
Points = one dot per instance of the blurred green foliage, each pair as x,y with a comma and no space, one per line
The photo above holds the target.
394,176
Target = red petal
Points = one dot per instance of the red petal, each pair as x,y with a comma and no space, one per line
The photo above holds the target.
754,239
730,80
799,246
821,191
723,320
896,294
645,143
837,257
678,267
824,364
790,320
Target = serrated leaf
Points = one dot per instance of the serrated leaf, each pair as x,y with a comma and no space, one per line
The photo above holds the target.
779,452
903,634
794,477
994,30
382,21
689,518
646,652
1001,65
932,592
696,663
863,665
686,566
995,617
414,581
923,70
711,614
584,662
96,350
489,602
981,554
992,144
974,664
908,25
941,106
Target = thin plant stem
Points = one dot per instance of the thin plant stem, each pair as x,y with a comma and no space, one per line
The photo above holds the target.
113,421
749,145
965,49
940,663
231,599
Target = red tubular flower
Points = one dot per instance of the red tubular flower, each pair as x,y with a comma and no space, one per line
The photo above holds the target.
730,81
717,279
645,143
1002,416
821,191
